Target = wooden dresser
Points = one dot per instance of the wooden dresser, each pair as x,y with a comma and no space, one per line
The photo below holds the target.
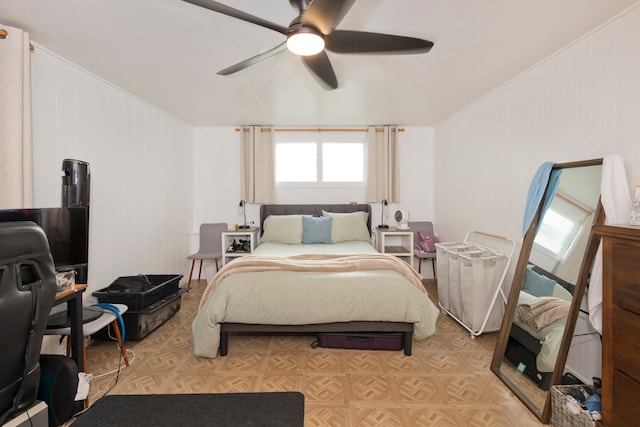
620,324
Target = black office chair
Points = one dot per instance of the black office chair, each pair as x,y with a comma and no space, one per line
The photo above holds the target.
27,293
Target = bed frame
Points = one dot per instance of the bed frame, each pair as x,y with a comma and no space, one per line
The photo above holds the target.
406,329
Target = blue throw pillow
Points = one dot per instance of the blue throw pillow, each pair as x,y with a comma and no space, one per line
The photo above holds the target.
537,284
316,229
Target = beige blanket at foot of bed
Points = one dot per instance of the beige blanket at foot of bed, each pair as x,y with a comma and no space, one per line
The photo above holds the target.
316,262
543,311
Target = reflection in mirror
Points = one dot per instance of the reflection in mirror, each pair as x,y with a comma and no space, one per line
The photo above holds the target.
563,233
548,285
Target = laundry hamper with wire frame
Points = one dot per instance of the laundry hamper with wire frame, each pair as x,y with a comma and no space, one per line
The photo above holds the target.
480,279
470,279
448,273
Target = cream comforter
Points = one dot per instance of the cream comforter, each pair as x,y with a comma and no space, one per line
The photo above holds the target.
308,289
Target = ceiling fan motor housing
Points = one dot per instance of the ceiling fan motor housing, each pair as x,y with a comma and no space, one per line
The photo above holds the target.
300,5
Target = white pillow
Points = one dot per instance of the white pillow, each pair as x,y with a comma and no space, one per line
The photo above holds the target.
283,229
349,226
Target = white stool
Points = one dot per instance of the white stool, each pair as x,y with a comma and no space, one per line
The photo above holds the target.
107,317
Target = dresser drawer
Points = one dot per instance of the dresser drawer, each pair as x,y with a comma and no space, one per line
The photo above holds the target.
626,275
625,407
620,324
626,347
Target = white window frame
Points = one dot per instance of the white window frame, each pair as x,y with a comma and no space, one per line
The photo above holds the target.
318,138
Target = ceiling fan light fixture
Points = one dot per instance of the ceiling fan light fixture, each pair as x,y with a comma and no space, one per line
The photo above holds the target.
305,42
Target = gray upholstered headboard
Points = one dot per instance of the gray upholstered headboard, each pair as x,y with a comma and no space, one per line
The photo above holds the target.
314,210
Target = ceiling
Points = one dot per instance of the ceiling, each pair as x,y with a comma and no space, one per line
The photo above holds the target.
167,52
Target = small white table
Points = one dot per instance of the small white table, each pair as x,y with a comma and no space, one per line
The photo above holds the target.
239,236
395,241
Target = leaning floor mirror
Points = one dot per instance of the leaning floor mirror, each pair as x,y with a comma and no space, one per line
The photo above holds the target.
548,285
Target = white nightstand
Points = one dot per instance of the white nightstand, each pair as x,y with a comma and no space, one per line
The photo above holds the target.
248,238
396,242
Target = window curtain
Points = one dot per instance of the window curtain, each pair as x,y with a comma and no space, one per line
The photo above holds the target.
382,165
16,159
258,164
569,268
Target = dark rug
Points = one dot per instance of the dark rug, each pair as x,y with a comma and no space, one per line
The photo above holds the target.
284,409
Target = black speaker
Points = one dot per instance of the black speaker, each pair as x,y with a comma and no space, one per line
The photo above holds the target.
58,387
76,186
76,179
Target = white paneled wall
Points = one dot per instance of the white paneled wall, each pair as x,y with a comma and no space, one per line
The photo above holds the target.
141,161
217,179
582,103
217,172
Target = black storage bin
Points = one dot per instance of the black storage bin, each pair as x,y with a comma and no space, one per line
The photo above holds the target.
139,292
360,341
140,323
524,360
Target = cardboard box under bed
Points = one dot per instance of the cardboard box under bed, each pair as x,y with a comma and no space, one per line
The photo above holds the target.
151,299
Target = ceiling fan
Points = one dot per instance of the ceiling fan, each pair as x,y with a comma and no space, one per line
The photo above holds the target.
313,32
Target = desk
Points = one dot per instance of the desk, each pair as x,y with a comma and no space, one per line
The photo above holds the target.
72,295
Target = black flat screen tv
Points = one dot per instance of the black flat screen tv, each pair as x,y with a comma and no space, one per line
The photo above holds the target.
67,230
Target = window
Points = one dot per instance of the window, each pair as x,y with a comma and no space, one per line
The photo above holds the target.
320,158
560,226
342,162
556,232
296,162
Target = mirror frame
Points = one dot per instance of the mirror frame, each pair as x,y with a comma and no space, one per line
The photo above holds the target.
544,414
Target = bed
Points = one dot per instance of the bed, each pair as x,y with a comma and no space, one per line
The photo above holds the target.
289,286
535,340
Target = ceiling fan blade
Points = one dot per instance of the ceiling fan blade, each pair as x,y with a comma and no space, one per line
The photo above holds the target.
253,60
374,43
321,68
238,14
325,15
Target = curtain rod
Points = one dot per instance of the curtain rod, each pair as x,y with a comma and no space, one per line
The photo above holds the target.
4,34
264,129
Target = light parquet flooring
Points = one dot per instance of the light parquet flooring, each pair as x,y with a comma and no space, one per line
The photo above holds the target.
446,381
